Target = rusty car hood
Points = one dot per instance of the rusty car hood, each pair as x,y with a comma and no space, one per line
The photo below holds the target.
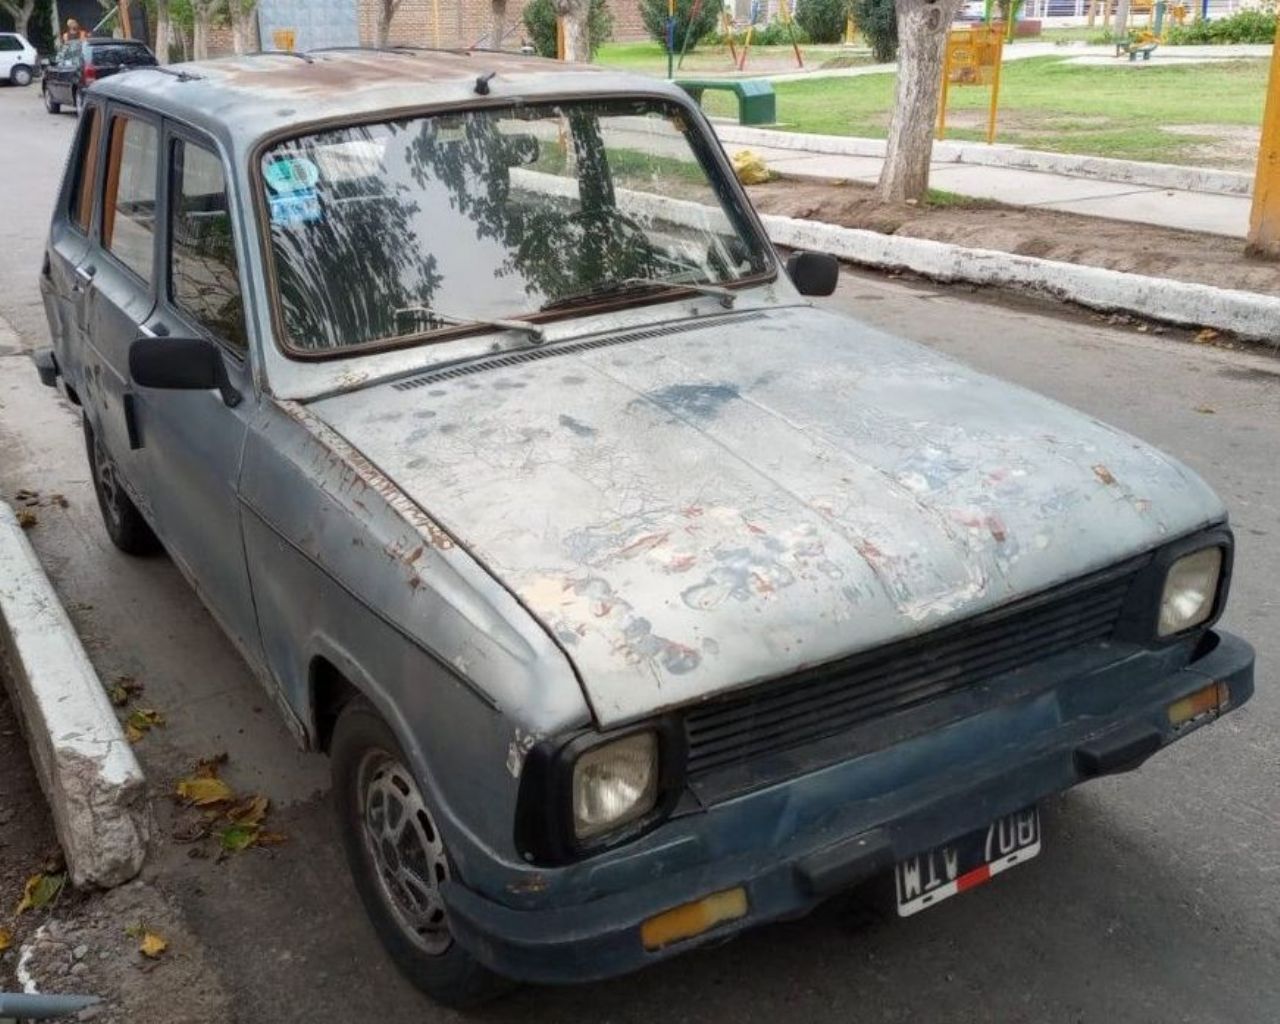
696,507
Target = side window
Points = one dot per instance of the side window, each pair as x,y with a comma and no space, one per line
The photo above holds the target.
86,165
129,199
203,279
10,43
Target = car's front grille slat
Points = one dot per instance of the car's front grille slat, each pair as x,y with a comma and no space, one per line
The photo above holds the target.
821,703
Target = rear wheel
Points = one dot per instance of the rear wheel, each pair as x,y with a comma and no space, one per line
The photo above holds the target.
50,104
125,526
398,860
20,75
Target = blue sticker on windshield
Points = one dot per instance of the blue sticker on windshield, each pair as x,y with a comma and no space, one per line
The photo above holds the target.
299,208
291,175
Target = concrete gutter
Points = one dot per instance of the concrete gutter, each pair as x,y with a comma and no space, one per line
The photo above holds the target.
1247,314
1098,168
87,768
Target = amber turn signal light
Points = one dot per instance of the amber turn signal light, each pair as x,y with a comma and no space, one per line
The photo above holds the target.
1212,698
690,919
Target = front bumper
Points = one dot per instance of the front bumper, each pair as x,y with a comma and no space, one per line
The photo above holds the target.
1042,746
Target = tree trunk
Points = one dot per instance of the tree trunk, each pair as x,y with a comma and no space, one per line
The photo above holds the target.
21,15
499,29
1121,28
386,12
577,47
163,31
922,34
200,31
241,24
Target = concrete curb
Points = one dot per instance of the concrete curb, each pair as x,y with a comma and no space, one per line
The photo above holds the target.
1247,314
1129,172
87,769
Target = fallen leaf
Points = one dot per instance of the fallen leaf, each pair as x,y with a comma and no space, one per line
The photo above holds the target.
206,790
59,500
141,722
135,931
40,891
270,838
1103,474
235,838
1207,410
1205,336
6,939
123,690
24,494
209,767
26,518
152,945
250,811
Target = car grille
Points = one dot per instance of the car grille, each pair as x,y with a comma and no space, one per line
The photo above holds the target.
838,697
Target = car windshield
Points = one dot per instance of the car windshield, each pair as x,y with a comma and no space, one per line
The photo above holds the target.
118,55
391,232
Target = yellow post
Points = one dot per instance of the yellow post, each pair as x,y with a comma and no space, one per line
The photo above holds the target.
559,38
1264,219
995,91
848,31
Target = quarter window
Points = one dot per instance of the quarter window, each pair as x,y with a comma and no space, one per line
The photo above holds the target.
129,200
203,278
86,164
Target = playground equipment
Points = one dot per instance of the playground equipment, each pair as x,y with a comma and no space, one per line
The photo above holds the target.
785,16
973,57
1014,13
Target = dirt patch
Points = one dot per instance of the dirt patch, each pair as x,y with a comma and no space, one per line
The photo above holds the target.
1232,147
27,841
1048,234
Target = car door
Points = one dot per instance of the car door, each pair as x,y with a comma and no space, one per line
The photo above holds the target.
67,269
10,52
192,441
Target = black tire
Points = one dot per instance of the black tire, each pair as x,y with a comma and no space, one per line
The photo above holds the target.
50,104
366,760
20,75
125,526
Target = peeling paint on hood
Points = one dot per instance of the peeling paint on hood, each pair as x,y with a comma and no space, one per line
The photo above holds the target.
692,513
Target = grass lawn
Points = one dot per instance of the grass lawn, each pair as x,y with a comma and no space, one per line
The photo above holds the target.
651,58
1173,114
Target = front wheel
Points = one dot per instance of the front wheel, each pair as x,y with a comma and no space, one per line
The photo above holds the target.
125,526
398,860
21,75
50,104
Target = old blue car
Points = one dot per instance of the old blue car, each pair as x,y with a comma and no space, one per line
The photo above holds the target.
636,600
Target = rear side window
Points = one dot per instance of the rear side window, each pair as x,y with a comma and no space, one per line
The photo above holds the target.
10,43
129,199
109,55
86,162
203,278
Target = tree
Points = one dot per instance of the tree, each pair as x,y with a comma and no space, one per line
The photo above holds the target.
654,15
241,24
573,14
20,12
540,22
386,11
163,29
922,36
202,14
878,23
498,28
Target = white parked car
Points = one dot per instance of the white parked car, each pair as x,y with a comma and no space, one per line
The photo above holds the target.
18,59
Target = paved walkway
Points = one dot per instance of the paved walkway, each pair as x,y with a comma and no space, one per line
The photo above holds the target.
1172,208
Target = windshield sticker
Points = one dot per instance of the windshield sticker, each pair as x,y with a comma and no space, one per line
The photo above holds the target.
291,176
298,208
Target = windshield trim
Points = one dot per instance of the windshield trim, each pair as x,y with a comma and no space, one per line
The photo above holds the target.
706,138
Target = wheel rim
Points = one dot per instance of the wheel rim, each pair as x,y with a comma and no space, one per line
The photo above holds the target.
405,849
48,100
104,475
22,77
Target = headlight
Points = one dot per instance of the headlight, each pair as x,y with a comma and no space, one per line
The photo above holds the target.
615,783
1189,590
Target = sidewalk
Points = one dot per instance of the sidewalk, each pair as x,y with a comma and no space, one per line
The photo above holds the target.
1189,210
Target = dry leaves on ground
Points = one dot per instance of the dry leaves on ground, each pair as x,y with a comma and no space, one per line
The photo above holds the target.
123,689
41,890
237,822
140,722
6,939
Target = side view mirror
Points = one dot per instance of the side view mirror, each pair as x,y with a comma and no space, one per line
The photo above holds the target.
181,364
45,62
813,273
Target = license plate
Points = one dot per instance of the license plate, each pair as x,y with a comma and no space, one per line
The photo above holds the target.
931,877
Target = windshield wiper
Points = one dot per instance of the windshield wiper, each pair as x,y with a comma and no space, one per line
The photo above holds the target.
629,285
536,333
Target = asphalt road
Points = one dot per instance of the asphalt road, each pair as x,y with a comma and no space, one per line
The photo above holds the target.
1157,896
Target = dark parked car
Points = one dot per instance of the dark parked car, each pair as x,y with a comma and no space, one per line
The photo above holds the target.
636,599
82,62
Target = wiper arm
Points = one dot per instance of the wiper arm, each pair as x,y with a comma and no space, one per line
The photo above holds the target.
536,333
636,284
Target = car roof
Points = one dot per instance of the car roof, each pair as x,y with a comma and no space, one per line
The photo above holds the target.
241,99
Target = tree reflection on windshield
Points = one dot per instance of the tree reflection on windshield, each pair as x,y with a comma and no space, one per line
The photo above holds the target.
491,214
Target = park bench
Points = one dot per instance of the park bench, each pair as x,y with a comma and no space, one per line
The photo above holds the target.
757,103
1136,49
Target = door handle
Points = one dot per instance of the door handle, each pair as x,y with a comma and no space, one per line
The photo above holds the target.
84,277
158,330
